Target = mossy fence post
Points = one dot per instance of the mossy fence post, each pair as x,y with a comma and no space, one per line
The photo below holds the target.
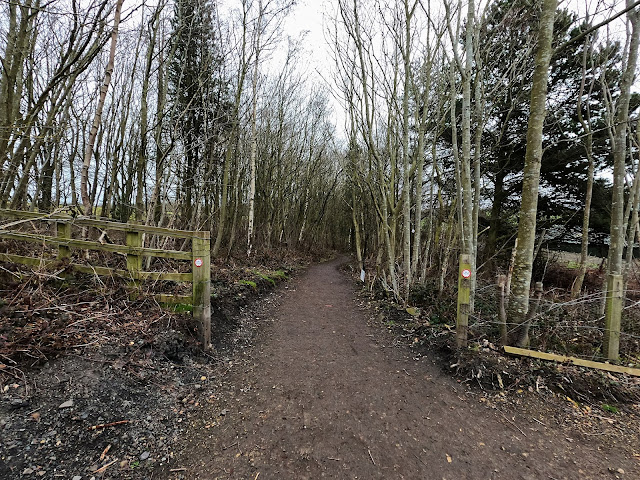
134,261
613,316
200,248
63,232
464,296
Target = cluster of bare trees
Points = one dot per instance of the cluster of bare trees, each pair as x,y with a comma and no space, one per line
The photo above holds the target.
478,128
180,113
472,128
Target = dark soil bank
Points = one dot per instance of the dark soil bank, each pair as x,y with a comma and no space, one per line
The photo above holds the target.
325,395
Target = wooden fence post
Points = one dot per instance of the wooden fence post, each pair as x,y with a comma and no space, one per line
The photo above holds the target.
134,261
464,296
502,310
63,231
613,316
200,248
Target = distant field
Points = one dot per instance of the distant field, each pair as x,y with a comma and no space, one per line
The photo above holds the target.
572,260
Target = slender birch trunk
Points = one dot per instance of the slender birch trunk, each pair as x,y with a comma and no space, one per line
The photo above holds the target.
576,288
254,139
84,191
614,300
521,280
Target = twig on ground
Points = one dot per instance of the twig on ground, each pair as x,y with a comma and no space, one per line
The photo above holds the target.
536,420
104,467
512,423
105,425
371,457
420,460
104,452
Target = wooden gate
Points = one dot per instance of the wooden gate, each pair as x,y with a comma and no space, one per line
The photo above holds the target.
200,275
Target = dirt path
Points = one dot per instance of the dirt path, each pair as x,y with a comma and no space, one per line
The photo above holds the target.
324,395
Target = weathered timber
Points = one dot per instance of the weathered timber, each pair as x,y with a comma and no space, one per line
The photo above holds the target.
63,232
94,222
200,276
102,271
202,285
613,316
173,299
103,247
31,261
134,259
573,361
464,297
155,276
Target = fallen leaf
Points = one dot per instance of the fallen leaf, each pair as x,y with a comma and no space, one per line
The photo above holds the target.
413,311
574,403
67,404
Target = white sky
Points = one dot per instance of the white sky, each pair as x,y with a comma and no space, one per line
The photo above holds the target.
309,18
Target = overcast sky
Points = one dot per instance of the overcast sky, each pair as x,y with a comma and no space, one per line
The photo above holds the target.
309,17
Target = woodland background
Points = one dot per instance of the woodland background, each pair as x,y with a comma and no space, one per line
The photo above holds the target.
468,126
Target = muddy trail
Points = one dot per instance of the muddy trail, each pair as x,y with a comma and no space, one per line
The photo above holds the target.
324,395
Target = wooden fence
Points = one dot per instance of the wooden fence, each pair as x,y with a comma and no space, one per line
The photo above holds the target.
200,275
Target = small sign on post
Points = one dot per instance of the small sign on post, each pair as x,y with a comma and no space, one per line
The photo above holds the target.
200,249
464,296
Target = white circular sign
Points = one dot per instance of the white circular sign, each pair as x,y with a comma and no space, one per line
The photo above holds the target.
466,273
198,262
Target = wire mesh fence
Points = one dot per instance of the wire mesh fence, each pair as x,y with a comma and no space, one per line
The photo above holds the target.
572,327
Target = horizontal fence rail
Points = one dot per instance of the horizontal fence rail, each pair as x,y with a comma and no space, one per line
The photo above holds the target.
200,275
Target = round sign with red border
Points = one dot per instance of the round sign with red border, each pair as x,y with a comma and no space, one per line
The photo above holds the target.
466,273
198,262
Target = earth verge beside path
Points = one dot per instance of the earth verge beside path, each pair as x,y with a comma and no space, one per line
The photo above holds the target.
322,395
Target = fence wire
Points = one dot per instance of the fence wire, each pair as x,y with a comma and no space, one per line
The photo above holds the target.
568,326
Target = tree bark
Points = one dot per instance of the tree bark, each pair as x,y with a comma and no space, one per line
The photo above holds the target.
84,191
620,150
521,280
254,140
576,288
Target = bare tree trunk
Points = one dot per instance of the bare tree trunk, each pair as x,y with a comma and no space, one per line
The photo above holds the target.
613,309
479,109
406,175
521,281
254,140
576,288
620,151
84,191
467,207
142,149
